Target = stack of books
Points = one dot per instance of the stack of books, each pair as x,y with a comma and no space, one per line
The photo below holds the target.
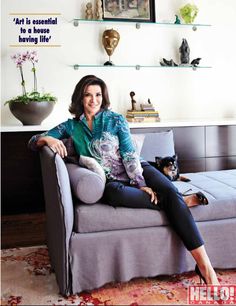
143,116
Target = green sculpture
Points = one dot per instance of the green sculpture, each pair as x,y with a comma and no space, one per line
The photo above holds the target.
189,12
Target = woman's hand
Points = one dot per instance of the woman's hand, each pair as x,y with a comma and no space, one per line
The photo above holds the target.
55,144
152,193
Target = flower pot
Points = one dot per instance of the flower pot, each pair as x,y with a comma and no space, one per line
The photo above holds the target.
32,113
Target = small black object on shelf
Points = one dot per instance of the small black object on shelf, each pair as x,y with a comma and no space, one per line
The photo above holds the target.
169,63
184,52
133,102
195,62
108,63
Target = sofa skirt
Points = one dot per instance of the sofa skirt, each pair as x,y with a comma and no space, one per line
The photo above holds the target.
120,255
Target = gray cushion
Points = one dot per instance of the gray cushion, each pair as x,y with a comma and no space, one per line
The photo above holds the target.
220,190
86,185
105,218
158,144
138,140
218,186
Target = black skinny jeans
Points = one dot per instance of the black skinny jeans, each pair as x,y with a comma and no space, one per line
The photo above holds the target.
170,200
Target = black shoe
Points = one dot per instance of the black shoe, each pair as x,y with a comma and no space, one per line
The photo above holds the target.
202,198
201,277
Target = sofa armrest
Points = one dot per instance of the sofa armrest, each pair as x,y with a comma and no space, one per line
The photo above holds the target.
59,214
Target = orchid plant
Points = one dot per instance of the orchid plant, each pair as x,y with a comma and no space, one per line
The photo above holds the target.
20,59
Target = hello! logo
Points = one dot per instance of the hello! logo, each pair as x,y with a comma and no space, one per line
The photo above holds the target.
212,295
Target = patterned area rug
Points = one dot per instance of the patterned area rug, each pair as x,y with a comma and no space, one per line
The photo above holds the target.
27,279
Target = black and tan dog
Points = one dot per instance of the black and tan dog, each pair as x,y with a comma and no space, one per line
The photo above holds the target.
169,167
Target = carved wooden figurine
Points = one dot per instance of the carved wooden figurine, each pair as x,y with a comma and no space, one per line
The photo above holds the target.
89,11
98,10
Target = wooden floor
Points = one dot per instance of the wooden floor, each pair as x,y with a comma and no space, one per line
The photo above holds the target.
23,230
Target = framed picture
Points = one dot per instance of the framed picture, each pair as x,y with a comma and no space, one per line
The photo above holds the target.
129,10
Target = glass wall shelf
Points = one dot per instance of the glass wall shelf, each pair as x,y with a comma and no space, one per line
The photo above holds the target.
137,67
194,26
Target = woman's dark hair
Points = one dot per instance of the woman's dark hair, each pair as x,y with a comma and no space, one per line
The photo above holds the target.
76,107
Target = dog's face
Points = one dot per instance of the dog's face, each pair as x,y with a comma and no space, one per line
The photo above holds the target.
168,166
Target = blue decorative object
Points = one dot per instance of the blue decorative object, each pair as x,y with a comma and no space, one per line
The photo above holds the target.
177,20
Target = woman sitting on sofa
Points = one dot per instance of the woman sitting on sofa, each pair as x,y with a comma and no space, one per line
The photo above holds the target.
104,135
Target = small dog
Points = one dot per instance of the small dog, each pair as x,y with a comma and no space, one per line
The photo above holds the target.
169,167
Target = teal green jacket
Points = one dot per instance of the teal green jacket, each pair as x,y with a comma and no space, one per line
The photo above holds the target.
109,143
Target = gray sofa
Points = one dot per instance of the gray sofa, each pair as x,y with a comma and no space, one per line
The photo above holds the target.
93,244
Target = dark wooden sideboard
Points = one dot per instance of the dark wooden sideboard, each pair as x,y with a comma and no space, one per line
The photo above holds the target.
199,148
202,148
23,211
22,188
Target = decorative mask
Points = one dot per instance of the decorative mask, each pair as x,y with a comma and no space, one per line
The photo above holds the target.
110,40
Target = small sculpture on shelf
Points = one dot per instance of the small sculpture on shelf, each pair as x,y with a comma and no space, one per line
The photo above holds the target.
195,62
184,57
189,12
98,10
170,63
177,20
110,40
133,102
184,52
89,11
146,113
147,107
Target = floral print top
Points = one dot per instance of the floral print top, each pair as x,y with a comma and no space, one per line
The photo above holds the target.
109,143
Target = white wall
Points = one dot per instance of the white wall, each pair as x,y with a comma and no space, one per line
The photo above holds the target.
177,93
